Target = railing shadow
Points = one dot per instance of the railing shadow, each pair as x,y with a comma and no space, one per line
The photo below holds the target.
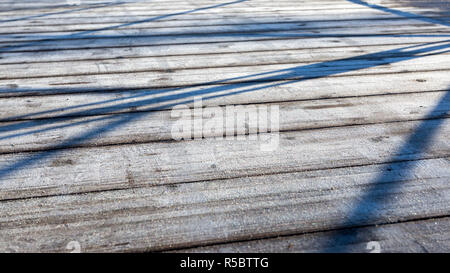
87,33
76,9
405,13
365,212
369,207
378,195
232,32
236,85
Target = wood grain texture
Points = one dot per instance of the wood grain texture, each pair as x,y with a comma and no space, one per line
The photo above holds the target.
87,150
222,29
337,58
161,163
211,24
195,214
38,135
141,50
226,75
426,236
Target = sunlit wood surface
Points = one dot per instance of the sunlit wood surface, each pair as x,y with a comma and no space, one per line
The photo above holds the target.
86,146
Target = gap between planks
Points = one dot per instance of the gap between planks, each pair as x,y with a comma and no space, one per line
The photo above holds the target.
164,218
416,236
44,134
163,163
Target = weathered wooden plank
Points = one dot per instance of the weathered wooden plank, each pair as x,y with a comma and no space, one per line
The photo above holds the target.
339,123
180,8
95,21
426,236
89,43
415,62
384,54
163,163
111,7
48,18
191,26
182,13
314,46
143,100
157,126
127,23
167,4
192,34
196,214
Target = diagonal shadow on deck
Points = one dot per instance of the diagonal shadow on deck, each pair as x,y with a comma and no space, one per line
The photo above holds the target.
89,7
367,209
233,86
365,212
87,33
269,33
377,196
402,13
249,83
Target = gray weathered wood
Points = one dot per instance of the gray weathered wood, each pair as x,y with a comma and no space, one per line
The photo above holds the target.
157,125
142,49
383,54
162,163
427,236
225,75
86,148
194,214
79,104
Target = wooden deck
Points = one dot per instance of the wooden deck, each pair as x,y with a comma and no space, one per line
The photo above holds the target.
86,125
